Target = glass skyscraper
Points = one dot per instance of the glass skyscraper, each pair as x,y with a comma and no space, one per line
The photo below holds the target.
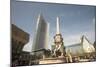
41,36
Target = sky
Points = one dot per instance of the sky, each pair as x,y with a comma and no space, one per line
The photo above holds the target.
75,20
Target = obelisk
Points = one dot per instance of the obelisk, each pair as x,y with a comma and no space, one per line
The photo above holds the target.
58,26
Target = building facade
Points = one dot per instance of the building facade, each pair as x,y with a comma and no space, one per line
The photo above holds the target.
82,50
41,36
18,39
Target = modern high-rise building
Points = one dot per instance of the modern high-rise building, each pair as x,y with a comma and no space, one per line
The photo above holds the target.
41,35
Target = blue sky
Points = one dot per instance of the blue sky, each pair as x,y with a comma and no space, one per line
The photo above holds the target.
75,20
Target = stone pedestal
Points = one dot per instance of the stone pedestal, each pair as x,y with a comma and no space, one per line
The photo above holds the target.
52,60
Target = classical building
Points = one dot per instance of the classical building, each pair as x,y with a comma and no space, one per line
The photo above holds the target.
18,39
83,50
83,47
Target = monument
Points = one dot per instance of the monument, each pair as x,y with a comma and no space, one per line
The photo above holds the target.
59,49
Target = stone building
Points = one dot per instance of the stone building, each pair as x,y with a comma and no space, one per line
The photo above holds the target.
82,50
18,39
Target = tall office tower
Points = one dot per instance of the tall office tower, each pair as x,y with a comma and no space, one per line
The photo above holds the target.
41,36
58,41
